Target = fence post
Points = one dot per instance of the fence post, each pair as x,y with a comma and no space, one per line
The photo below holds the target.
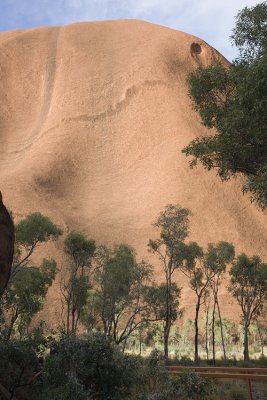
250,389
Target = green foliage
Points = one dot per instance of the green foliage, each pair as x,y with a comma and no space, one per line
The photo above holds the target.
201,267
196,387
249,287
36,228
249,284
76,282
119,302
18,364
218,256
250,33
26,295
96,369
28,284
93,366
232,99
173,223
80,249
203,270
119,274
156,296
30,232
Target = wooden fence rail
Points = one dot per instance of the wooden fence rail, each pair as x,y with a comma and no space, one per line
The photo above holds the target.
262,371
248,374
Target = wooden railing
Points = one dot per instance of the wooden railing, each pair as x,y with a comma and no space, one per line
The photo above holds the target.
247,374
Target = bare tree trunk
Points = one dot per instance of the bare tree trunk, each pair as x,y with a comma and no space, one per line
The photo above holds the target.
13,320
167,325
213,332
261,340
73,320
77,320
196,330
166,340
207,333
221,328
246,333
68,316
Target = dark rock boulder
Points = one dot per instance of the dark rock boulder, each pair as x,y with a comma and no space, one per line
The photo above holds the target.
7,239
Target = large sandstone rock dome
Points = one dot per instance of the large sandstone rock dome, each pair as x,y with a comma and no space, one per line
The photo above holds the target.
93,117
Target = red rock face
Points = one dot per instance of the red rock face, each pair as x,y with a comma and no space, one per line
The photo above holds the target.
93,119
6,246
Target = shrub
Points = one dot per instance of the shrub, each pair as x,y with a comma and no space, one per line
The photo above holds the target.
18,364
94,368
194,386
86,367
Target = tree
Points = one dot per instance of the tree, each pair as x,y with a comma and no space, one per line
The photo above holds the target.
173,223
26,295
250,33
197,270
121,299
156,298
233,100
204,271
76,284
28,284
30,233
249,287
217,258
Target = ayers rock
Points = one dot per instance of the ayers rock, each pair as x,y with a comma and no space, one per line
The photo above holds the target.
93,117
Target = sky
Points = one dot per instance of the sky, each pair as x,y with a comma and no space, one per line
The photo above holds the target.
211,20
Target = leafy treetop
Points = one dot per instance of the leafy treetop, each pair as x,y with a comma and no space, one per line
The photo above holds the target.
233,100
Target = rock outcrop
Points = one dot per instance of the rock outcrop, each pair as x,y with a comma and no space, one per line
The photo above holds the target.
93,117
7,237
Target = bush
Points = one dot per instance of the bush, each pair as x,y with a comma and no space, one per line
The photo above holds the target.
94,368
18,364
194,386
86,367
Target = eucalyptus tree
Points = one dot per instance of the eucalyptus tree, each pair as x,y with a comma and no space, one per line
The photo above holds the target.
173,224
75,282
218,257
32,231
29,283
249,287
204,270
122,298
25,297
232,98
199,274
